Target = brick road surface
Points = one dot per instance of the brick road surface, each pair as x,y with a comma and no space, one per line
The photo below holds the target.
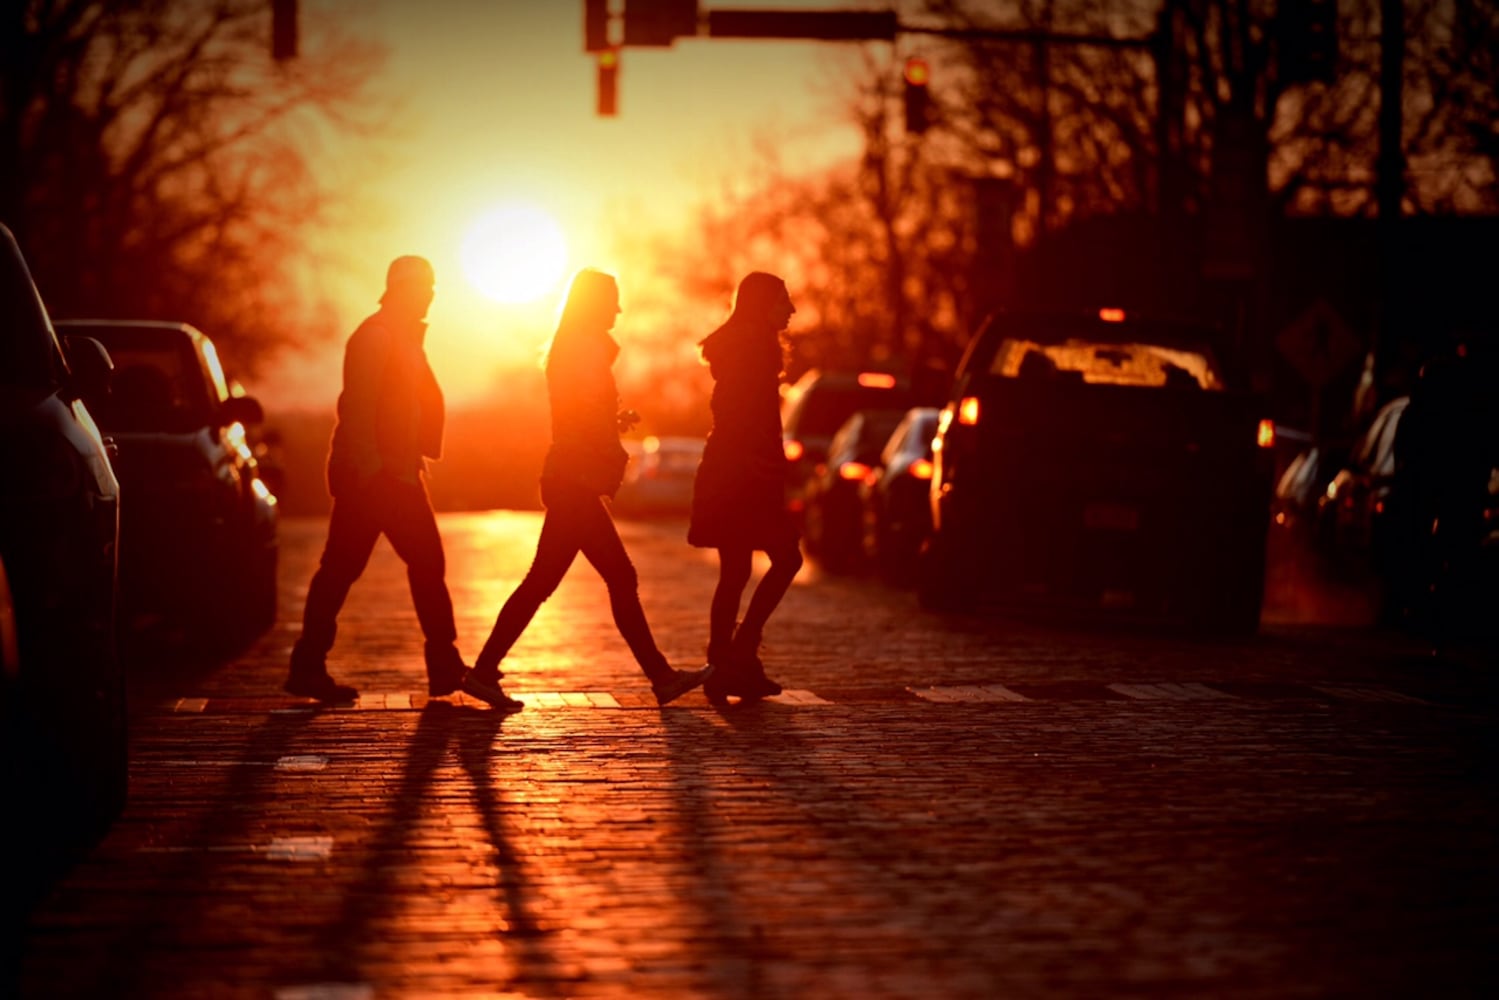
938,807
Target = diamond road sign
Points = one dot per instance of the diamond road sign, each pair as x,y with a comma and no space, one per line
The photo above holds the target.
1319,344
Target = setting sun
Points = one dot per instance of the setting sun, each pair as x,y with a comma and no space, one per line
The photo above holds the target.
514,253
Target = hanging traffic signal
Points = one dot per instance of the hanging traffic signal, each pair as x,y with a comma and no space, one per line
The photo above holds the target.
1307,40
608,61
283,29
595,25
918,101
659,22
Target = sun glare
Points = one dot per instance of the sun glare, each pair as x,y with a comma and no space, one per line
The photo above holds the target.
514,253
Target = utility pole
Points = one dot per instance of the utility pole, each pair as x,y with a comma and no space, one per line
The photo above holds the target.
1390,179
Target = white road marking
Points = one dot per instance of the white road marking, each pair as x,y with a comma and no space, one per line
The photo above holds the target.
970,693
302,762
326,991
789,696
1170,692
300,849
1368,693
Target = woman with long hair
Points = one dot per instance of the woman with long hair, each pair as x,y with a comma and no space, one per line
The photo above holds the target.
739,496
584,465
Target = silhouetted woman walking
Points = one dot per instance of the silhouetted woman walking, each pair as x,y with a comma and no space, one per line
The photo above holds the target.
739,497
584,465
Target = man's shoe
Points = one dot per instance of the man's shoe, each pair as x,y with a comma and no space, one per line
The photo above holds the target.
490,692
672,685
446,681
319,686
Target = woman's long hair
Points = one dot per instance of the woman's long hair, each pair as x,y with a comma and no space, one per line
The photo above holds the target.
592,297
757,292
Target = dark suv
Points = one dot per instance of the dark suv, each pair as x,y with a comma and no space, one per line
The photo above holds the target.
198,540
62,688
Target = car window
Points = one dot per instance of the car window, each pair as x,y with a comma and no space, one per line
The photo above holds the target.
1138,364
1368,445
877,428
824,408
1383,463
157,387
215,371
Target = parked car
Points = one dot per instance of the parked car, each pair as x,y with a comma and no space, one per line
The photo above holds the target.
62,688
833,514
658,480
198,542
1100,459
815,407
1354,518
896,496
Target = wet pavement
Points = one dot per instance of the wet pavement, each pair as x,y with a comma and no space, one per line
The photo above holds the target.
937,807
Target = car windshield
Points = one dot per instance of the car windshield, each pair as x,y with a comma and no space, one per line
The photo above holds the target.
1140,364
158,384
825,408
29,356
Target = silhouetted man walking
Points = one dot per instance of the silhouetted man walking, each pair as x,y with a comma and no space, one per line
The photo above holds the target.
390,416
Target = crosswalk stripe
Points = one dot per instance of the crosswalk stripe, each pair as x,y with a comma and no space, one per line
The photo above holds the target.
977,693
1170,692
789,696
1367,693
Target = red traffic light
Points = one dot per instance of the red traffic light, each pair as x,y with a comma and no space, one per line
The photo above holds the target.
918,73
608,86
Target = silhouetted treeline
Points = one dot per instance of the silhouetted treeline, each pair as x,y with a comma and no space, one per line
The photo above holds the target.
156,163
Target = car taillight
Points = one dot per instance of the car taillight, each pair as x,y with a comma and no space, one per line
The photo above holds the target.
968,411
793,449
853,471
921,469
1265,437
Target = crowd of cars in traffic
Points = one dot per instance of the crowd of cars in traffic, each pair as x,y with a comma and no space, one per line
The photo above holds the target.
131,495
1101,460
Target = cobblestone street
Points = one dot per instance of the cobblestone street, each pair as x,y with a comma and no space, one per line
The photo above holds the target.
936,807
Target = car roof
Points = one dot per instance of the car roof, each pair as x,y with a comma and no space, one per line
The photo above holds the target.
144,327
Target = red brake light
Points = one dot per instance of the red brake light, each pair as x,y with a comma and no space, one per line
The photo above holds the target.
968,411
876,380
793,449
1265,437
921,469
853,471
1111,315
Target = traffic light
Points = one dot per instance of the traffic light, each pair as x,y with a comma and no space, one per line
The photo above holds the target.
608,105
283,29
918,101
659,22
1307,40
595,25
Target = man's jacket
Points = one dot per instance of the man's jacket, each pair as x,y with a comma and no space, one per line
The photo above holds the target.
390,412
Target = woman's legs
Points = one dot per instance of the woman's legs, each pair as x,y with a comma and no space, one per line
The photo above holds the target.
734,567
601,546
784,564
555,551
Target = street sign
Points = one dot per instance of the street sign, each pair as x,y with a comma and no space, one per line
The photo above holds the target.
1319,344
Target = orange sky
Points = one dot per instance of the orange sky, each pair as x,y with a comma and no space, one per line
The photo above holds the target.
494,103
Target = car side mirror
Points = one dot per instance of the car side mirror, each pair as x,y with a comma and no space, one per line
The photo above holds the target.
242,409
90,364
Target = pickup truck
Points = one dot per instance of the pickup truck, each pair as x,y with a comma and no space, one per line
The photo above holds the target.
1100,459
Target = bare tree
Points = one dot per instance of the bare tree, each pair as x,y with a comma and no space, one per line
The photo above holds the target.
155,160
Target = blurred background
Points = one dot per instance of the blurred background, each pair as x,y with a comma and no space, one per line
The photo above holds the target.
1316,177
